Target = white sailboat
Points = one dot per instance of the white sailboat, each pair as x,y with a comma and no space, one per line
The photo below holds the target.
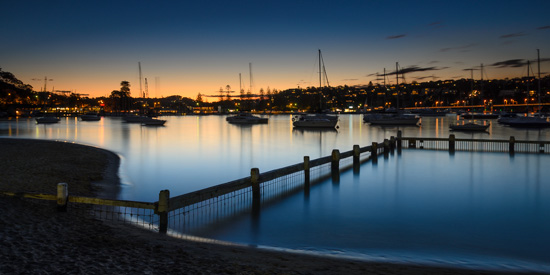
397,118
536,121
318,120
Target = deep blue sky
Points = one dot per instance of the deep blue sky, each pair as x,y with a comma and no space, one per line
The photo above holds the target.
191,47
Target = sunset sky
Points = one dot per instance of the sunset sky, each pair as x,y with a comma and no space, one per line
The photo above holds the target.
186,48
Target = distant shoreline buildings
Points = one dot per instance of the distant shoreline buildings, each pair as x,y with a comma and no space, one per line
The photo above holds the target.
516,95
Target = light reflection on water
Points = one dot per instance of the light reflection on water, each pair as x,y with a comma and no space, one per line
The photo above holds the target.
422,202
468,207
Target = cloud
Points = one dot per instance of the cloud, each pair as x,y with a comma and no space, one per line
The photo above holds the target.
350,79
396,36
461,48
414,69
544,28
512,63
427,77
512,35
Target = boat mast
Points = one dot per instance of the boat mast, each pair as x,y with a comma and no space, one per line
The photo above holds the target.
538,61
251,83
320,81
397,83
140,91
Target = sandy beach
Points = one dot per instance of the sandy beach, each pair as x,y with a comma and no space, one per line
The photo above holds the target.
36,239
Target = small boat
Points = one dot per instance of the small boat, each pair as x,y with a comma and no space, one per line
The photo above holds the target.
318,120
391,119
246,118
153,122
480,116
526,122
470,126
315,121
430,112
47,120
90,116
136,119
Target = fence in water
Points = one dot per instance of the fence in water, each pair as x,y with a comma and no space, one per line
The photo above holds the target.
184,214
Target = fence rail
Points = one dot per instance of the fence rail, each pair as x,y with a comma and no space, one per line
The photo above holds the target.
477,145
188,212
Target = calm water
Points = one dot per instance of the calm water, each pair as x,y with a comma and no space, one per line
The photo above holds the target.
468,208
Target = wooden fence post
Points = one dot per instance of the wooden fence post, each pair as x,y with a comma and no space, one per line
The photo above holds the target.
392,143
374,152
162,210
335,164
306,172
511,145
356,158
399,137
255,180
386,148
451,143
62,196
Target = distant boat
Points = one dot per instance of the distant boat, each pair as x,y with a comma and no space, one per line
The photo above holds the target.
48,119
315,121
136,119
470,127
90,116
153,122
246,118
398,118
526,122
536,121
391,119
430,112
479,116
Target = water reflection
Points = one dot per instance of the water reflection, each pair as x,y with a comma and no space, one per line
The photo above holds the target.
468,207
435,204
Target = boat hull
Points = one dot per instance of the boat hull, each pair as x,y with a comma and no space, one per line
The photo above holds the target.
469,128
315,124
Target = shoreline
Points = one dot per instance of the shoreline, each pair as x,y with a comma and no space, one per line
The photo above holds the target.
38,239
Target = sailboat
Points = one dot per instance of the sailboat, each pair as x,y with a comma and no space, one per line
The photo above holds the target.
397,118
536,121
318,120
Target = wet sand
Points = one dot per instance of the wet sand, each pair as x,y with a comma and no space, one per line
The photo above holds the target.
36,239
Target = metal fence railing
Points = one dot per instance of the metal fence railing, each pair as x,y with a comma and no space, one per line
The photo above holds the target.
476,145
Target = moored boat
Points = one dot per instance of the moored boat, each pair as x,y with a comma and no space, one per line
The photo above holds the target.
526,122
315,121
90,116
153,122
246,118
136,119
47,120
469,126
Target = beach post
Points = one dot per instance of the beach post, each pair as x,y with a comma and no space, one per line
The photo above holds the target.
511,145
306,172
335,162
374,152
386,148
392,143
451,143
162,210
399,138
356,158
255,180
62,196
